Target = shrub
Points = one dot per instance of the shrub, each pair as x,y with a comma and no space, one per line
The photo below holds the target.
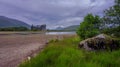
89,27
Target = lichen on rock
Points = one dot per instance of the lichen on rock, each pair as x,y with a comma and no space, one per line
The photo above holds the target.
99,42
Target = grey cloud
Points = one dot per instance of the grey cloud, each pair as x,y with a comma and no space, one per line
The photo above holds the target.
52,12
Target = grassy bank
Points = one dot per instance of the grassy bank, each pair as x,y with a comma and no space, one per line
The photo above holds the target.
65,53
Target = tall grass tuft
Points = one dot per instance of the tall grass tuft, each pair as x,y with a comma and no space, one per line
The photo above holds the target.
64,53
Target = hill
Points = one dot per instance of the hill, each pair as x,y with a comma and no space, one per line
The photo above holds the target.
8,22
59,28
71,28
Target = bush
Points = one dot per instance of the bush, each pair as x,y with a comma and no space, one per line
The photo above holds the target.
89,27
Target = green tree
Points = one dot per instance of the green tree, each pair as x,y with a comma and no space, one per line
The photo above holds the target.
89,27
112,15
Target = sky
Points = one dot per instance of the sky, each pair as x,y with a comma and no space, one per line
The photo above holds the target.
53,13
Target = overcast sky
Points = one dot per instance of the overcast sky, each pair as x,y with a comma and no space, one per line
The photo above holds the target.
54,13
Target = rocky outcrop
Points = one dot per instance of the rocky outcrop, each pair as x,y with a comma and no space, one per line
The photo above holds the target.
100,42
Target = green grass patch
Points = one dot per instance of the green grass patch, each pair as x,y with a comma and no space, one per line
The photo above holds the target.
65,53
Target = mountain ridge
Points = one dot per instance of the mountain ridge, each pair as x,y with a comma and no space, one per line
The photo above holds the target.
72,27
10,22
69,28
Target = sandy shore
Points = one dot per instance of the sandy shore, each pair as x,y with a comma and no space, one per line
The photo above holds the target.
16,48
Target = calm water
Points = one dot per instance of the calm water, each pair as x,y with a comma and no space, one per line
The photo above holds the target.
56,33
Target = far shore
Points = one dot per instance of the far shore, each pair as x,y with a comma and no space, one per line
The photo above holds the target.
34,32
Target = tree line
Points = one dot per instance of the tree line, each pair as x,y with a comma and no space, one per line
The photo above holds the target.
22,28
14,29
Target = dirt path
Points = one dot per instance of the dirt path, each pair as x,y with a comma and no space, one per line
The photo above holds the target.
16,48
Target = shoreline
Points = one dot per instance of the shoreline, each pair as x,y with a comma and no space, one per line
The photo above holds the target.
16,48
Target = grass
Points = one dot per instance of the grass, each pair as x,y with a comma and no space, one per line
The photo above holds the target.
65,53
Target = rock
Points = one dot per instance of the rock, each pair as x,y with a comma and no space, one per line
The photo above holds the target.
29,58
100,42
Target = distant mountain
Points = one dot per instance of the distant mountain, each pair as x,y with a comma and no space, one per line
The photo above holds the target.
71,28
8,22
59,28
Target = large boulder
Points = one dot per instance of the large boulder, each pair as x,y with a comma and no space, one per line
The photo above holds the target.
100,42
